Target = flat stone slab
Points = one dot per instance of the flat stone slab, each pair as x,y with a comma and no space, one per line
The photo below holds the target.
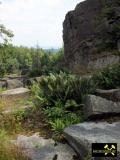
38,148
81,136
95,105
16,91
14,94
14,98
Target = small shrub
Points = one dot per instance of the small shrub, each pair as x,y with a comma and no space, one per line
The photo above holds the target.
108,12
58,126
63,87
54,112
72,118
108,78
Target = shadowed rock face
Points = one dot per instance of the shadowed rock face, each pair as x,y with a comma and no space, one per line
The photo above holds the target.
91,34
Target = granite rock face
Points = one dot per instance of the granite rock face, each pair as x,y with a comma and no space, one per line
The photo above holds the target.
96,106
91,33
81,136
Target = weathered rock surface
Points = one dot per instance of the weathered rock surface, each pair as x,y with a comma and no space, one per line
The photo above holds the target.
91,35
38,148
81,136
11,82
95,106
15,94
14,83
113,94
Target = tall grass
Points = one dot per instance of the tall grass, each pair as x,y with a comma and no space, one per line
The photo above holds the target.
9,151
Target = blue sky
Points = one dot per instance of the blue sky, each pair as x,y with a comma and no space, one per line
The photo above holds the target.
36,21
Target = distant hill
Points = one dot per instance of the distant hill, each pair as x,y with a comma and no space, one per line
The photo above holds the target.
52,50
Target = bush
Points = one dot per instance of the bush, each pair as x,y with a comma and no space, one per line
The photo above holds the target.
64,87
108,78
60,96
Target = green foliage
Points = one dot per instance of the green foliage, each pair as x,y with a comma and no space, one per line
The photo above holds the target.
108,78
108,12
71,104
5,34
63,87
30,61
2,89
60,96
58,126
56,111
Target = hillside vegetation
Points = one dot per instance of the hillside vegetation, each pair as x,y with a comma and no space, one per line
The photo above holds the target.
29,61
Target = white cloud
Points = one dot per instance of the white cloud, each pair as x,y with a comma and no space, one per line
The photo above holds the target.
35,21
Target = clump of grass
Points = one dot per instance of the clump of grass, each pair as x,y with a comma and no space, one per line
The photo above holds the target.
10,123
9,151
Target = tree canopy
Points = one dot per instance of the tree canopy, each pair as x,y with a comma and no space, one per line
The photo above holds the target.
5,34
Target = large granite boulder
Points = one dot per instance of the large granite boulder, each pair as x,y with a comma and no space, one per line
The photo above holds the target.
113,94
96,106
81,137
38,148
91,35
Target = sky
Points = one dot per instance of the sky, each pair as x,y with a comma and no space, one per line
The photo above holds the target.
36,22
